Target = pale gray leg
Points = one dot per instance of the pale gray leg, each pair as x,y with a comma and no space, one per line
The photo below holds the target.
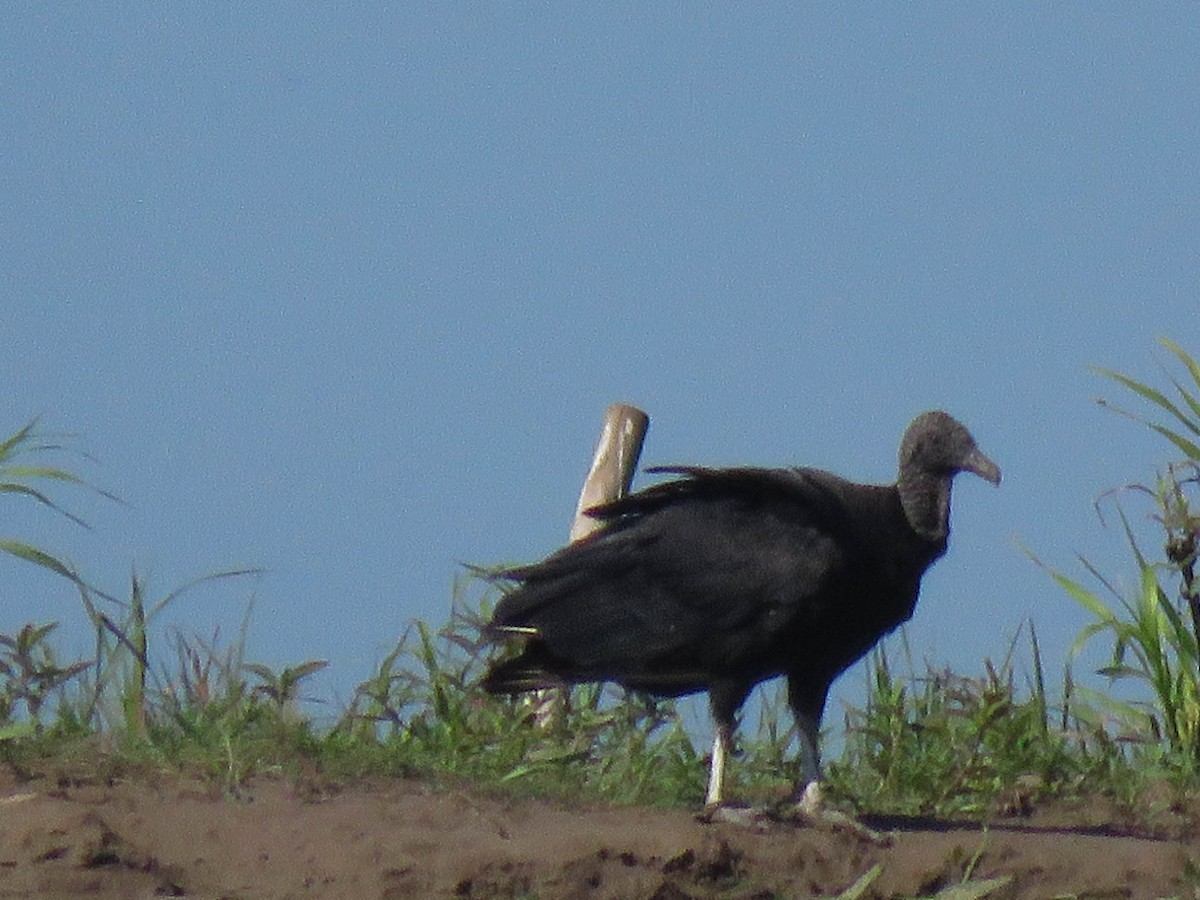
807,705
807,701
808,781
724,699
716,771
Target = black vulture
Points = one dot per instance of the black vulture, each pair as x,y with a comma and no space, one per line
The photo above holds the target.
721,578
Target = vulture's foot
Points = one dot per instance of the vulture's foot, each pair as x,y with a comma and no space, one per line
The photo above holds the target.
755,817
807,811
833,820
810,810
762,818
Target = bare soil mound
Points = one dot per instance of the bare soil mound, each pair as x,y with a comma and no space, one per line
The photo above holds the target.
181,837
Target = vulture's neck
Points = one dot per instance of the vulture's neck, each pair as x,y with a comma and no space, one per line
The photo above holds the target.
926,501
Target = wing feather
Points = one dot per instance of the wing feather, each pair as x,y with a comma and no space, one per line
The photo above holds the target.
692,574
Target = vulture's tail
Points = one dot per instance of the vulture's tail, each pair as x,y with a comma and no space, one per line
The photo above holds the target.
533,670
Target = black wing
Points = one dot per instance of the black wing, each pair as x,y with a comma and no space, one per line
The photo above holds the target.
697,575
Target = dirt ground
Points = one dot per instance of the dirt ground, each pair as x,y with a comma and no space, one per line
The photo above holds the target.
150,837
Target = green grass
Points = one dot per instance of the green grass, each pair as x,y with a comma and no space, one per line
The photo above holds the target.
1154,628
990,743
936,743
939,743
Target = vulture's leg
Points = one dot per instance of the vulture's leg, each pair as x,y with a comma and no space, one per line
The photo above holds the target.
808,781
724,700
722,747
808,704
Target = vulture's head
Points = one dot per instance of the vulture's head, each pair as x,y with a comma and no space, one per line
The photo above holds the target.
938,445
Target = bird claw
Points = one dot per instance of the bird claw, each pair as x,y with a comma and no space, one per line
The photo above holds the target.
756,817
803,813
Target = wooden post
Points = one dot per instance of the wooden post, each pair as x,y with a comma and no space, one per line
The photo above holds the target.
613,465
609,478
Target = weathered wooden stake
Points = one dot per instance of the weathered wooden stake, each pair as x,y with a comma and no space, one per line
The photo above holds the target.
613,466
611,474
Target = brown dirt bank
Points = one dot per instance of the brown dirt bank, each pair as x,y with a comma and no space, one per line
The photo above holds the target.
176,836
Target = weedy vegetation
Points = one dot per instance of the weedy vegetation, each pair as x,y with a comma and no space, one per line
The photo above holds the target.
926,742
1154,629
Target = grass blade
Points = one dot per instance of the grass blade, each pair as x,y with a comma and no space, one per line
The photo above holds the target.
1148,393
859,888
32,554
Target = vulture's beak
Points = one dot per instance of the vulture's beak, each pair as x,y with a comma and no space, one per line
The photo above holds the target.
982,466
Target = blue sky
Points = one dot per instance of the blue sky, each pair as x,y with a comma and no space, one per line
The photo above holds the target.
342,291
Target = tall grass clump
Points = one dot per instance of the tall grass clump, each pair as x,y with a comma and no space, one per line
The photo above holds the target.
125,689
940,743
117,693
21,478
1154,626
424,706
30,674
